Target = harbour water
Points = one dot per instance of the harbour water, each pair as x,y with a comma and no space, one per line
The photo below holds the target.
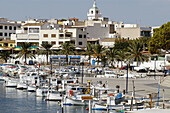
21,101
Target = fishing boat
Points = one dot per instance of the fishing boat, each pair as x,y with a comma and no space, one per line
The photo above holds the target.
42,92
11,83
53,95
31,88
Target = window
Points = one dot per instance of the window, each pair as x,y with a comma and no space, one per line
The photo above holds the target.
61,35
53,42
44,42
10,27
0,45
1,27
5,34
14,28
84,36
11,45
91,12
1,34
10,34
45,35
53,35
97,12
6,27
68,35
80,36
80,43
60,43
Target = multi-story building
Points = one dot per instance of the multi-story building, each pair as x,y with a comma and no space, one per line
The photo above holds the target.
7,28
75,35
133,32
29,32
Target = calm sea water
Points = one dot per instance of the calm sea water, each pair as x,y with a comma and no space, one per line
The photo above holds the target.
21,101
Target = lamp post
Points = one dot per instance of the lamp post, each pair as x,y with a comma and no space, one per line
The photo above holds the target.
155,69
82,71
51,67
127,78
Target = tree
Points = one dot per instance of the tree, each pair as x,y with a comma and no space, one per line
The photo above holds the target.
121,55
121,43
104,60
5,55
144,41
112,55
160,39
25,51
97,51
135,52
89,52
67,48
47,47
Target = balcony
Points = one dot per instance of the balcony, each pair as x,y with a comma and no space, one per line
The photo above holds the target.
27,37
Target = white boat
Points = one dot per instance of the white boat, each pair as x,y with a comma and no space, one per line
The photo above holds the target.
41,92
22,86
54,95
148,110
11,83
108,74
75,101
130,75
31,88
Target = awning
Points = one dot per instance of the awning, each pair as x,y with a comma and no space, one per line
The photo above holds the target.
17,48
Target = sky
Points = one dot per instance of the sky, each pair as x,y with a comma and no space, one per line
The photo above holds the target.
143,12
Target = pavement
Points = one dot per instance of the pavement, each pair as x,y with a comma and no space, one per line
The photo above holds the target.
143,86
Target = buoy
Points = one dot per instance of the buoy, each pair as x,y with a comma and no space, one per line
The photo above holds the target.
87,108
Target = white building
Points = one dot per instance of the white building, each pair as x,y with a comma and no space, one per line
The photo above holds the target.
94,12
29,32
75,35
153,30
6,28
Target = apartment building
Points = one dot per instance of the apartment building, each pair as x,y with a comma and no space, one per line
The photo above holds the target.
7,28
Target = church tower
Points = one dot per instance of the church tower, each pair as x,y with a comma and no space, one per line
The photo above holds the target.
94,12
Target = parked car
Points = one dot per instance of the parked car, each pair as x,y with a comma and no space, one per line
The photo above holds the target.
140,69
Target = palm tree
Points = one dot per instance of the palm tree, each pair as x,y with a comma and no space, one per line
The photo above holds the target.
5,55
67,48
112,55
25,51
89,52
121,55
135,52
47,47
97,51
104,60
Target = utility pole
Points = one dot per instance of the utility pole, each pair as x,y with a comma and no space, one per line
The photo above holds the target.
127,79
82,72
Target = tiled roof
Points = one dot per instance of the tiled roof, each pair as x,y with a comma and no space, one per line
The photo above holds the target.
7,41
109,40
92,39
34,24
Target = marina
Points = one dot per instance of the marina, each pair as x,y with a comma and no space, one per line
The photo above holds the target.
62,92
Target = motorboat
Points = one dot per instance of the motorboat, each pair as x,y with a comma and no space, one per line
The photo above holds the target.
22,86
53,95
11,83
108,74
42,92
31,88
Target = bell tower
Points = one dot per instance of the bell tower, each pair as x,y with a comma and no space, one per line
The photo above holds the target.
94,12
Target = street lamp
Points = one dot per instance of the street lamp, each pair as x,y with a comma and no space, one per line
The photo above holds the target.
127,78
155,69
51,66
82,71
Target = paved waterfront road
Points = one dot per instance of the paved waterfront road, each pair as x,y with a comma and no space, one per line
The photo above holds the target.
143,86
